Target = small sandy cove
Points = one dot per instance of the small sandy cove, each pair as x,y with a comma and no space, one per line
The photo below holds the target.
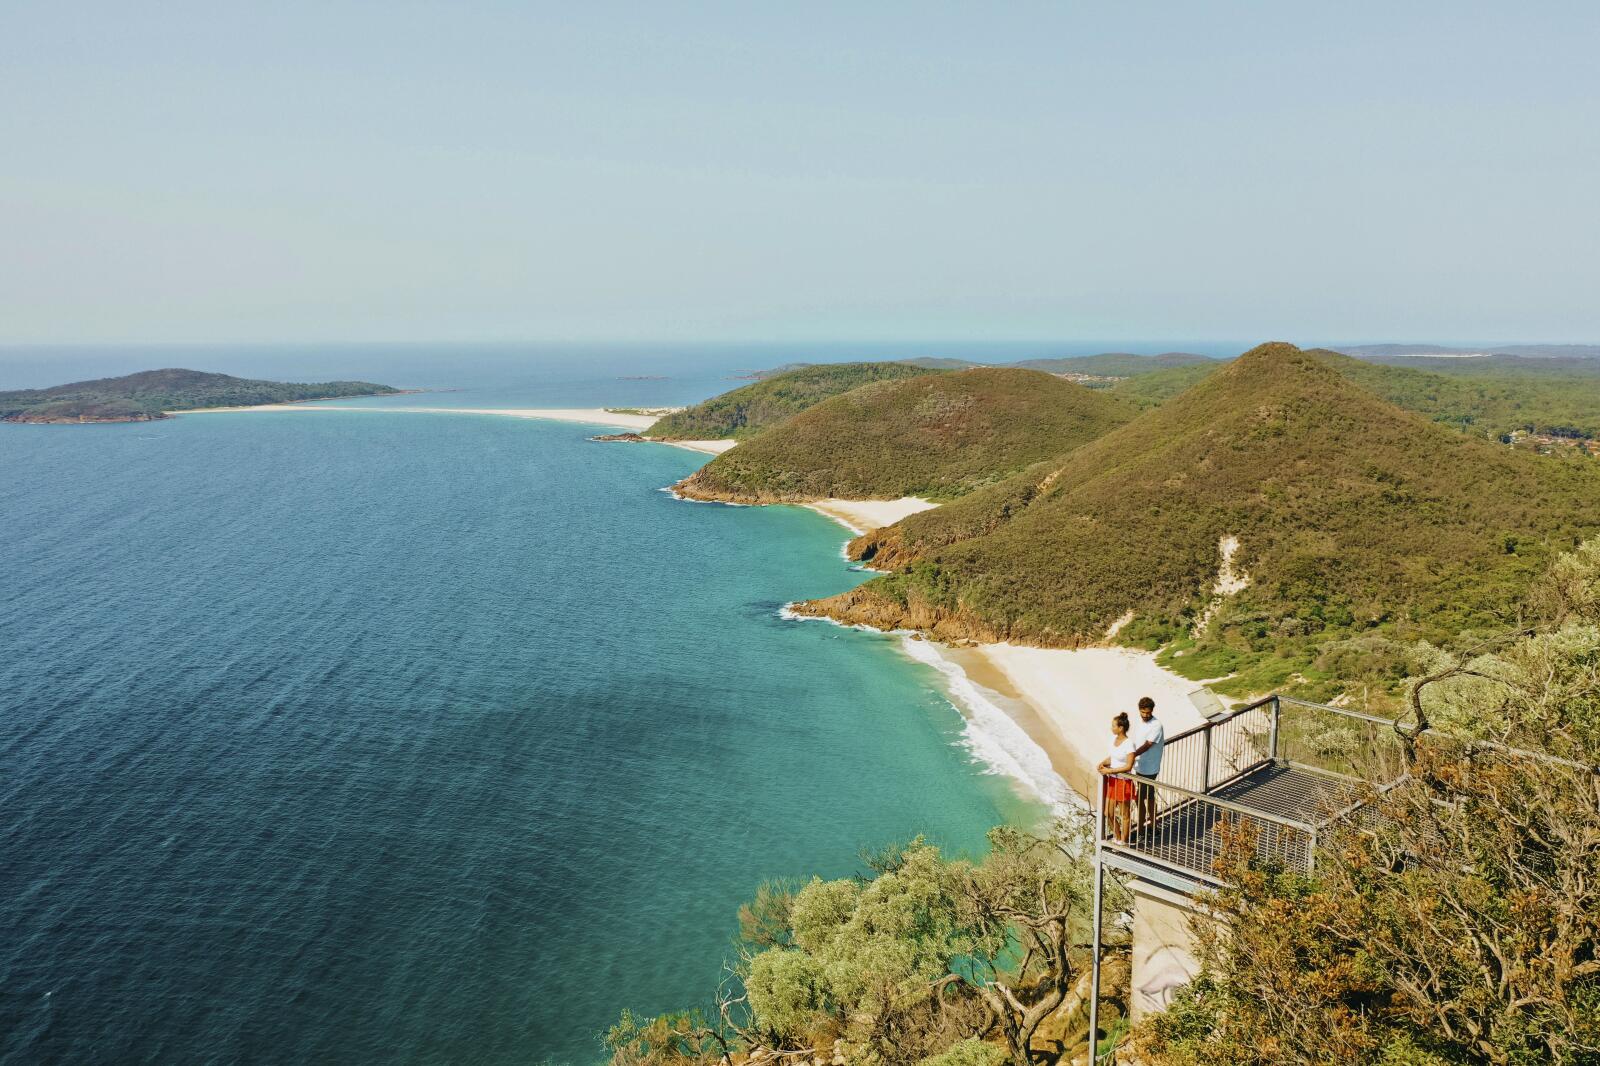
1071,695
1062,698
589,416
858,516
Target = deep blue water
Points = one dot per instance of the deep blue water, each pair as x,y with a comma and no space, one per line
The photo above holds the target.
371,738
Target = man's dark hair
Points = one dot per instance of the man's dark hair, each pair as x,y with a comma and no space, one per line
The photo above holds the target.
1146,703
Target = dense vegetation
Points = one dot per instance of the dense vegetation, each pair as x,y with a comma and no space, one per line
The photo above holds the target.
1440,933
1357,523
151,393
1489,402
748,410
926,961
1117,364
939,435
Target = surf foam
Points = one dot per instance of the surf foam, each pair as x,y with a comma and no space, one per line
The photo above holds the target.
992,736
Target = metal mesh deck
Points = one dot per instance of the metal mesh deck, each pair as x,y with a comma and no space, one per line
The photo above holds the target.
1292,792
1262,803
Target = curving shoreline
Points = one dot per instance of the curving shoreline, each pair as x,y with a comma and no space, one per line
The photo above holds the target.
1060,699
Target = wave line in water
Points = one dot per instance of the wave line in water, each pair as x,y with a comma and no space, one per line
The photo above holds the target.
993,736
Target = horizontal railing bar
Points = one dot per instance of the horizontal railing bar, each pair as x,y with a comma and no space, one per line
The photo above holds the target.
1341,711
1156,860
1231,715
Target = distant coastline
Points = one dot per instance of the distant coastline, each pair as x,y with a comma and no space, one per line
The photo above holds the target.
151,395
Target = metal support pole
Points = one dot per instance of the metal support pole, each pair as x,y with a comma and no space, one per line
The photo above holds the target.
1277,709
1205,769
1094,962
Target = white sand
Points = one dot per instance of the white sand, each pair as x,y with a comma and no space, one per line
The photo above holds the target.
1077,692
710,447
593,416
858,516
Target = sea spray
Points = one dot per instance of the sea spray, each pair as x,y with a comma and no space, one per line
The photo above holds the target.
992,736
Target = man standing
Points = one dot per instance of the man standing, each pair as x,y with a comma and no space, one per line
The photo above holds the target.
1149,738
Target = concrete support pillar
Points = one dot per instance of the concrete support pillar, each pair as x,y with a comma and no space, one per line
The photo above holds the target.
1164,955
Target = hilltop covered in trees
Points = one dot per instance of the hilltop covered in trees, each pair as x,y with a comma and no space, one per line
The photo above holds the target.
748,410
1354,520
151,394
1488,401
938,435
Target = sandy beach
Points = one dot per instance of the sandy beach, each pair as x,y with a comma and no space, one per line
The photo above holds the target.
589,416
593,416
858,516
1067,697
710,447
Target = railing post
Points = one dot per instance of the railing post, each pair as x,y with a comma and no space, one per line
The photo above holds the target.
1094,962
1311,851
1205,766
1277,710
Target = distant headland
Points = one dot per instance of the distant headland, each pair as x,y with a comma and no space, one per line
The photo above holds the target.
153,394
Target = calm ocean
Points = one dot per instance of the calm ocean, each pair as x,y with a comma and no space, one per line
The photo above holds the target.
387,737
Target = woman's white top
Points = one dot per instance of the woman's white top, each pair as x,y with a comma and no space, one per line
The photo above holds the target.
1121,753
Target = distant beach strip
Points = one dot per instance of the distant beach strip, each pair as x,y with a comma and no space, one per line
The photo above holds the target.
589,416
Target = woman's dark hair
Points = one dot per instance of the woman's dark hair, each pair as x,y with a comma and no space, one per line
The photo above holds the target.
1121,721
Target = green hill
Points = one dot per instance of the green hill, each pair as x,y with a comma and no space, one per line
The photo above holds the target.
1489,403
1352,516
751,408
939,436
150,394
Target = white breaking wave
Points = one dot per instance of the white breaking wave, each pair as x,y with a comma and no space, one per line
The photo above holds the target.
789,614
993,736
670,491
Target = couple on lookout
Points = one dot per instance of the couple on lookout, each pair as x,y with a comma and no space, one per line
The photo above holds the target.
1138,750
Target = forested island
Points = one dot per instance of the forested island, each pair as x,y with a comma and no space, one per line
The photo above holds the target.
153,394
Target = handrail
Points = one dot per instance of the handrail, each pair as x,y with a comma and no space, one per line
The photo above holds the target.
1195,730
1227,805
1343,712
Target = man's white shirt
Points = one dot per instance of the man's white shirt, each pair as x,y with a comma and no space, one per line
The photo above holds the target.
1149,763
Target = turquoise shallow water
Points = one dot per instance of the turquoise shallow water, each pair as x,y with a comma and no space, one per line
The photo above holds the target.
370,738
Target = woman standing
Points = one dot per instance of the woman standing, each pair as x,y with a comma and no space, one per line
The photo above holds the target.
1119,790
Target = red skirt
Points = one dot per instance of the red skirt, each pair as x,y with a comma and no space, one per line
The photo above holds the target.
1119,790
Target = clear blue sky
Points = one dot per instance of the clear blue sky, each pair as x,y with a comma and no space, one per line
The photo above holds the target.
334,171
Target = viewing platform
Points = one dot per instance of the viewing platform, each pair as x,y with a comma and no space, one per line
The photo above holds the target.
1277,773
1275,777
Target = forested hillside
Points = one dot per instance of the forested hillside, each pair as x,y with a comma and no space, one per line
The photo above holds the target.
1352,518
1492,402
939,436
749,409
1116,364
150,394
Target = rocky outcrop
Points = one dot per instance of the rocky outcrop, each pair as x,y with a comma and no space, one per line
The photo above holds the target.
698,487
626,438
866,606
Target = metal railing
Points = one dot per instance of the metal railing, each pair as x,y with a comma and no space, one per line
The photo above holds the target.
1265,780
1213,753
1192,831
